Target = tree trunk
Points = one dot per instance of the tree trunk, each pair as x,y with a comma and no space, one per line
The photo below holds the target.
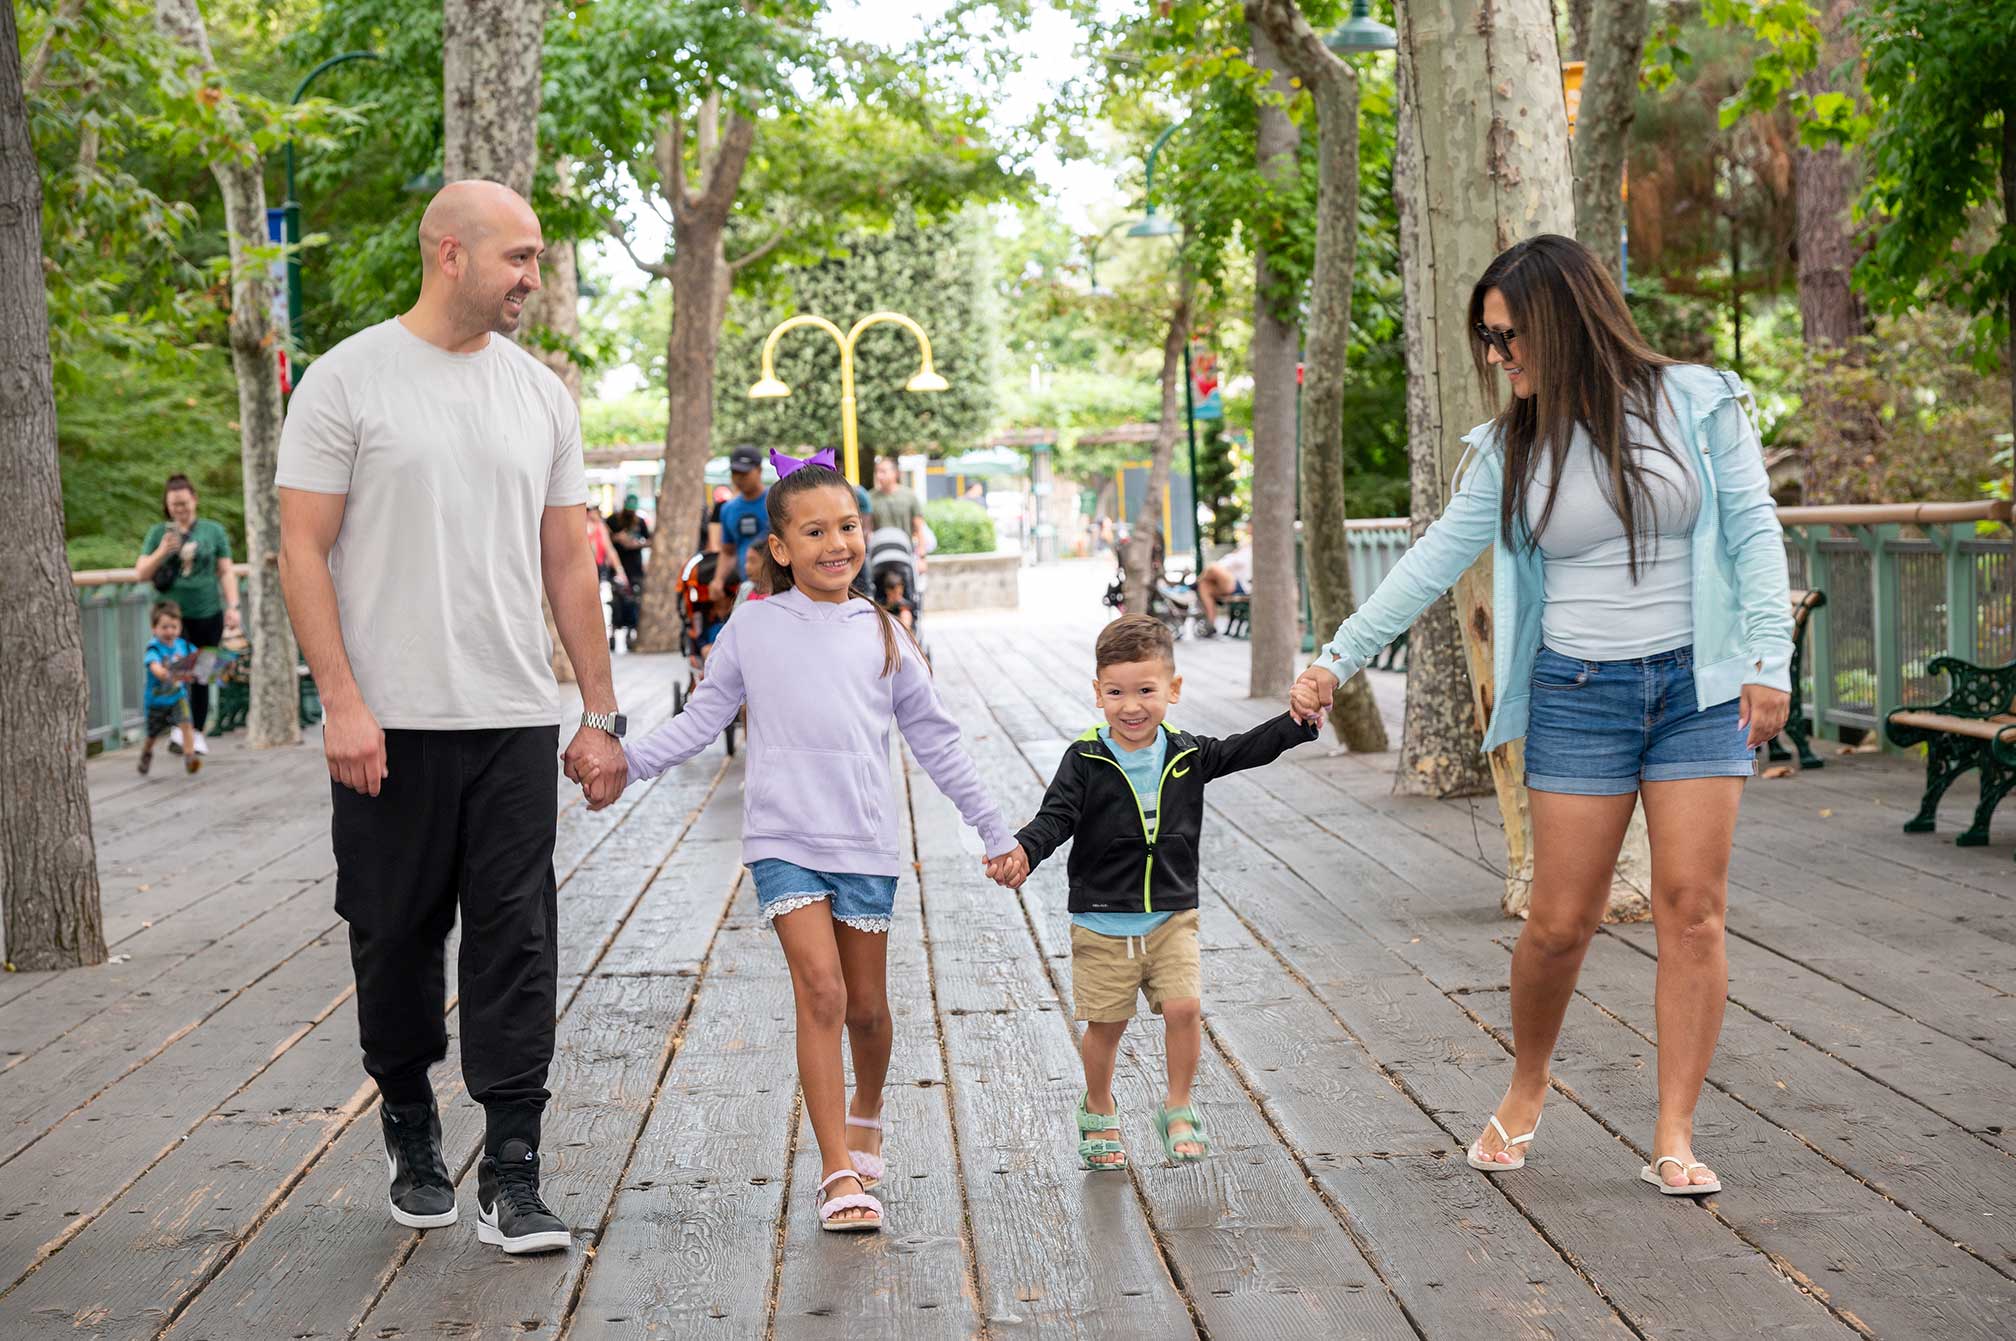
1614,44
490,65
1491,139
1140,540
1439,754
48,862
1578,30
2008,213
1325,545
1276,599
274,714
556,308
1831,314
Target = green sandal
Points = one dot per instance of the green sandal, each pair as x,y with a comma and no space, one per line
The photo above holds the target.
1166,1115
1089,1147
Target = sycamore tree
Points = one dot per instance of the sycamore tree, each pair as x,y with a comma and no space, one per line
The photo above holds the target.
754,137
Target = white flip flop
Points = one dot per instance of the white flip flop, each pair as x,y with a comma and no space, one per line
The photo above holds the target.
1479,1160
1650,1174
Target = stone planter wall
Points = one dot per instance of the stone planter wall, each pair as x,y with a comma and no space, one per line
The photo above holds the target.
972,582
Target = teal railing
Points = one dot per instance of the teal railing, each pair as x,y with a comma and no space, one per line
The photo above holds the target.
113,605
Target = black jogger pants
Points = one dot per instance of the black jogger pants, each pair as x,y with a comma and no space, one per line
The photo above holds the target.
464,819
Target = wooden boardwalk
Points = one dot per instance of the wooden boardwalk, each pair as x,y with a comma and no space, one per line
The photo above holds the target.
187,1147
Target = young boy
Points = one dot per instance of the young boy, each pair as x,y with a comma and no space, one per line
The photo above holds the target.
1131,794
166,665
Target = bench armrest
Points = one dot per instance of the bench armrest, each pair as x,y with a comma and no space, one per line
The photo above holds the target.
1975,691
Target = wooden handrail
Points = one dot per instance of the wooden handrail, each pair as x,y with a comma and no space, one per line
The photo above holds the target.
1879,514
105,577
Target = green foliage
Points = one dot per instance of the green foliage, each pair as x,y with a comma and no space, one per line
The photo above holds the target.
961,527
633,420
143,421
1940,77
937,275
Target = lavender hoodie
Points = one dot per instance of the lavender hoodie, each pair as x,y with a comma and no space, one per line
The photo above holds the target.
819,793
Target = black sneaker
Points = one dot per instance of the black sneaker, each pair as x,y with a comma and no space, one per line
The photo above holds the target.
422,1197
508,1210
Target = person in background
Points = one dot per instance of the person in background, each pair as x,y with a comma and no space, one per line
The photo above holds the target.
745,519
165,664
631,535
193,555
894,505
1231,575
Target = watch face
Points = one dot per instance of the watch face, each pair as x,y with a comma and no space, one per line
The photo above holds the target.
621,724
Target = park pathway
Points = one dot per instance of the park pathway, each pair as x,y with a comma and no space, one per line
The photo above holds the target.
187,1150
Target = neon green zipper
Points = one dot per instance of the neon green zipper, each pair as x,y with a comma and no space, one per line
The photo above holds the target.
1148,873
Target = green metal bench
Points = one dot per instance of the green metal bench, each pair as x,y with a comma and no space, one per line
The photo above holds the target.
1797,729
1975,727
1238,616
234,700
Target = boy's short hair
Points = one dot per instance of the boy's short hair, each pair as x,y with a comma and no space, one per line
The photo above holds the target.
1134,638
161,608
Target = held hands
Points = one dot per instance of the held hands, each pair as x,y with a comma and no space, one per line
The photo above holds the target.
1009,869
1764,711
595,760
1311,695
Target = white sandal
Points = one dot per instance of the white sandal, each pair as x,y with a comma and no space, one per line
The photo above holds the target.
1650,1173
829,1209
1479,1160
872,1168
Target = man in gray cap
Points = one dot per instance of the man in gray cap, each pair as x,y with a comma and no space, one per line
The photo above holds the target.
745,519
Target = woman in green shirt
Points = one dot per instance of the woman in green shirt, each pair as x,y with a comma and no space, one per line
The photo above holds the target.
197,552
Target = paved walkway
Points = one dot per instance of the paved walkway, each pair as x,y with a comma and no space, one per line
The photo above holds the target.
186,1148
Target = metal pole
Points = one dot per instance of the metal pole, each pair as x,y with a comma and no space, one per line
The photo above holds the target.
1196,497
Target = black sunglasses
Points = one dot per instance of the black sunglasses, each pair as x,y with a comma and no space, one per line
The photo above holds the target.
1498,340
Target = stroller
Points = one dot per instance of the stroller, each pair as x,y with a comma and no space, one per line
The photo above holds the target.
700,623
893,580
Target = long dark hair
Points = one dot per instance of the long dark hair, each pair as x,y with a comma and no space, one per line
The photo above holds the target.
1588,365
777,503
176,482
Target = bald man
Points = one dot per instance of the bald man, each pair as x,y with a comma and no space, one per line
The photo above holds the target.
431,484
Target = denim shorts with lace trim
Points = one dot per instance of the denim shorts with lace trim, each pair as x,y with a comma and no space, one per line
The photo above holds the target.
863,902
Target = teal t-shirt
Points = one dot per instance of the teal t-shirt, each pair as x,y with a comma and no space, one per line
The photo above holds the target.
1144,769
196,588
158,694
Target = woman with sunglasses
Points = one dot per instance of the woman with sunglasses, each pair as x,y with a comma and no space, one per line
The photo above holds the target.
1644,640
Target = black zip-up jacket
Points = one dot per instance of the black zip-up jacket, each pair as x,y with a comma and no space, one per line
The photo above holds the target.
1114,867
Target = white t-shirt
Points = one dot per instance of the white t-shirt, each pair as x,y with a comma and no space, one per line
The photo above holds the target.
449,462
1238,565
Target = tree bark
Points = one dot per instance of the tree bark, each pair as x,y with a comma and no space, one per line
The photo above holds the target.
48,862
1440,737
1325,545
1831,314
1492,141
1140,540
490,67
1612,49
274,715
701,277
1578,30
1276,598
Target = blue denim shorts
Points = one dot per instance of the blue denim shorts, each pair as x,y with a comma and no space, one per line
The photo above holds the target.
1599,728
863,902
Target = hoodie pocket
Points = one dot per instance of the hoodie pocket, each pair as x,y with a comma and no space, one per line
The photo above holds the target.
819,794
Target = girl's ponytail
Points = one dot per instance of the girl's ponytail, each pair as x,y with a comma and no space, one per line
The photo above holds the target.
777,503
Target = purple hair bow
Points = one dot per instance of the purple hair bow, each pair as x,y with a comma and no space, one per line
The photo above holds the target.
784,465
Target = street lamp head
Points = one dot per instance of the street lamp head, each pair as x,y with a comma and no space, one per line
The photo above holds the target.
1154,225
1361,33
926,380
769,388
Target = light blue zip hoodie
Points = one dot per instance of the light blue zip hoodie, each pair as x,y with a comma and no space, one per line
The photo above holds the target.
819,792
1742,600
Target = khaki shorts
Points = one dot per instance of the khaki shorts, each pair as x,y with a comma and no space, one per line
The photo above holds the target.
1108,972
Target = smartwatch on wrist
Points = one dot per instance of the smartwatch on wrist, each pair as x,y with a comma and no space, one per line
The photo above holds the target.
612,722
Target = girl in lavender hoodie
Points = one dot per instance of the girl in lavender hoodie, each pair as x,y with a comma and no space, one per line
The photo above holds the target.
824,674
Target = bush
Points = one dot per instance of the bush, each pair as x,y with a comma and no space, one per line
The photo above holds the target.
961,527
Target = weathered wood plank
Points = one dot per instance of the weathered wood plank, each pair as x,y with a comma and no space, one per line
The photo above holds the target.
1869,1258
692,1235
1939,1171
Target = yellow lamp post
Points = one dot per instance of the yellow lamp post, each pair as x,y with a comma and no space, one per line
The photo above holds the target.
768,387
